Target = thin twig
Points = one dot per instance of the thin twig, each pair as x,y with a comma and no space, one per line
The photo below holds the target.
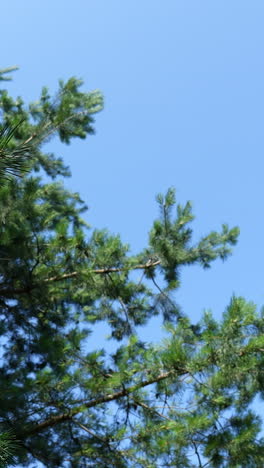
93,434
197,454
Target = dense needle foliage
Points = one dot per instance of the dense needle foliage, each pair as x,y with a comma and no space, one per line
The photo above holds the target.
183,403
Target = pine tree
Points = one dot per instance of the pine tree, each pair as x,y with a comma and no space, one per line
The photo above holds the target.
183,403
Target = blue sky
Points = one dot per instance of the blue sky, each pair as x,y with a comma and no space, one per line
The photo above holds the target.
184,107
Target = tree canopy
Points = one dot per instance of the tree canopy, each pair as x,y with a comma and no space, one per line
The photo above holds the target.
186,402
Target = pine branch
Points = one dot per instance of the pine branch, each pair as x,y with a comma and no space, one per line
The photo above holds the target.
101,271
3,71
59,418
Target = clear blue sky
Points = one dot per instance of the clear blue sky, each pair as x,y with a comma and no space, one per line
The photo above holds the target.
184,106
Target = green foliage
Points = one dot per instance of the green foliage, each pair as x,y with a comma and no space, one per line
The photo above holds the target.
4,71
12,161
183,403
8,448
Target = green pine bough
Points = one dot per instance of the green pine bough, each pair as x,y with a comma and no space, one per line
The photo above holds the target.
184,403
